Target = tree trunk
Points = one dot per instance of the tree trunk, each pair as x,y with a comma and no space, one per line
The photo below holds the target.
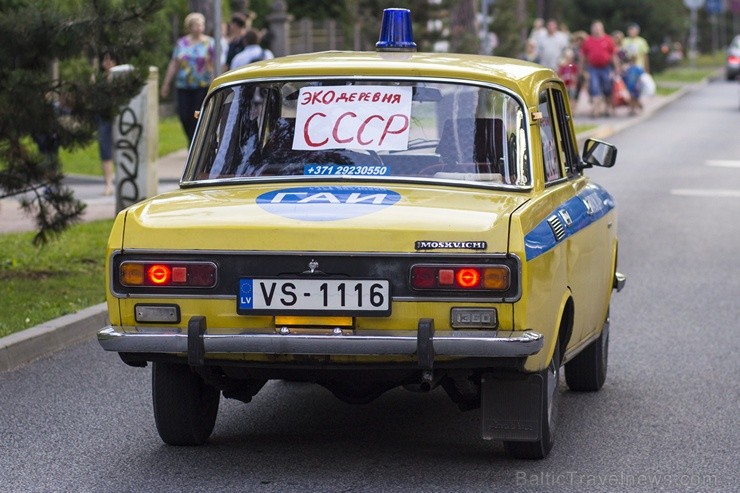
205,7
464,27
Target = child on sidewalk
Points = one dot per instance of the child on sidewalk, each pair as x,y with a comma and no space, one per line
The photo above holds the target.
631,75
568,71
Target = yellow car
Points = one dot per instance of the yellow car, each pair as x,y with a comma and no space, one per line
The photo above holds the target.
372,220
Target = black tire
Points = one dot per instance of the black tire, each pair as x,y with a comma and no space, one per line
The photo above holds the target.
185,408
550,398
587,371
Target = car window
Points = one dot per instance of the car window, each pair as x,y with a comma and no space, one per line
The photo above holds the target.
369,129
550,149
568,150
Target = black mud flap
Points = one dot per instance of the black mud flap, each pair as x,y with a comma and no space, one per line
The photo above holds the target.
196,348
425,343
511,407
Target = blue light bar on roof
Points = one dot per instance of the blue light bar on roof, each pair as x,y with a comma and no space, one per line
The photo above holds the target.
395,31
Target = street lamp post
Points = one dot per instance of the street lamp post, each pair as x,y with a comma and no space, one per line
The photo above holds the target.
217,37
693,6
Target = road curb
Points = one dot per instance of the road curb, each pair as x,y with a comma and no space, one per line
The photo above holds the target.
605,131
25,346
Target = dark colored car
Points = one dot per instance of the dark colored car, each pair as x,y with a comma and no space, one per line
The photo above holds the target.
732,65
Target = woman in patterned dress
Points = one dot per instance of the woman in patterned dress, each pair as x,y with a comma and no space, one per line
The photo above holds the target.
192,67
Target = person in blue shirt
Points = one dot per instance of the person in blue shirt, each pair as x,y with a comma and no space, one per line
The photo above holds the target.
632,74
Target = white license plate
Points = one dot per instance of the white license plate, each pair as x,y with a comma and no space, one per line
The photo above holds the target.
314,296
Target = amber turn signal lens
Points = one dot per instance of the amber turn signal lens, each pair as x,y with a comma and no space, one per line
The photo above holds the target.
132,274
496,278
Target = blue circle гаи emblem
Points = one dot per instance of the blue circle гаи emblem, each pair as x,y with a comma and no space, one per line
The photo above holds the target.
326,203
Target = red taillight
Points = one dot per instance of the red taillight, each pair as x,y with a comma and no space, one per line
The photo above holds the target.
159,274
468,277
179,274
460,277
168,274
424,277
733,60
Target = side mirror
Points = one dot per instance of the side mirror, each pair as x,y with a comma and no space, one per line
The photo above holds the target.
598,153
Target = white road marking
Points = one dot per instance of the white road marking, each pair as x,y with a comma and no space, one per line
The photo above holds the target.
706,193
723,164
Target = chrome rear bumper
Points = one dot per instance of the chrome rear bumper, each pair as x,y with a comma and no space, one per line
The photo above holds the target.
198,342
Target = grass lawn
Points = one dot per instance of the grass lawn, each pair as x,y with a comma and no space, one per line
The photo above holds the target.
672,79
85,161
41,284
584,127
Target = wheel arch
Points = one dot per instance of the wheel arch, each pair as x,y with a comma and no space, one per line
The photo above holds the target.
565,327
562,332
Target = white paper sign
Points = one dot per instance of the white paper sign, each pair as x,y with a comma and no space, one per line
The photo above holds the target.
353,117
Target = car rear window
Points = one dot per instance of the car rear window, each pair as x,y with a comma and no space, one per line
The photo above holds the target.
366,129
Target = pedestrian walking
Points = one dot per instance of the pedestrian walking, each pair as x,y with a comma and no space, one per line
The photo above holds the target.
637,46
551,44
538,30
192,68
576,41
238,26
618,38
530,52
632,75
600,58
252,52
105,129
568,72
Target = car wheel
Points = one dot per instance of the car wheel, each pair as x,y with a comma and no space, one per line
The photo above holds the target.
185,407
550,398
587,371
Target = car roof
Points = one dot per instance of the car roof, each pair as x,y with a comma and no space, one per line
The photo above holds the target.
519,76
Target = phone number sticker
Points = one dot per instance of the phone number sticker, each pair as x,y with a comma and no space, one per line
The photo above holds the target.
341,170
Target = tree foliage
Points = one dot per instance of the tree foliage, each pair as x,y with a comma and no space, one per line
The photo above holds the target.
41,107
508,28
464,27
320,9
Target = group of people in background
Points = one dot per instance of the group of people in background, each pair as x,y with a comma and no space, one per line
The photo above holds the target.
611,67
193,63
244,44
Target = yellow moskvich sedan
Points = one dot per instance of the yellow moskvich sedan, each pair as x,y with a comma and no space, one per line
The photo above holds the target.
372,220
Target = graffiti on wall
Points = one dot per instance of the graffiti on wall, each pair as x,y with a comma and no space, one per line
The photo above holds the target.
128,159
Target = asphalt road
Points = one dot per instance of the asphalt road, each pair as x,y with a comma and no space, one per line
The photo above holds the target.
666,420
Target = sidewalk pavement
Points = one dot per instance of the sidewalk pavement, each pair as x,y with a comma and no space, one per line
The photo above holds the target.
28,345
